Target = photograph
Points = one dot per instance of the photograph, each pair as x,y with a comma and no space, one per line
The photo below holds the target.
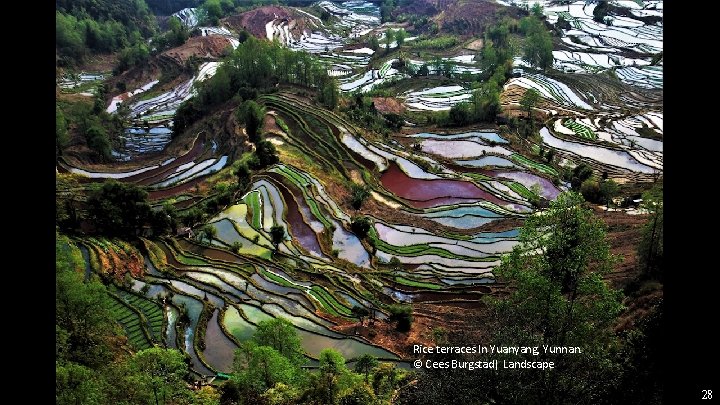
370,202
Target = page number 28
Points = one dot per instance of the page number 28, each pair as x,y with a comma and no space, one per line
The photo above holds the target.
707,394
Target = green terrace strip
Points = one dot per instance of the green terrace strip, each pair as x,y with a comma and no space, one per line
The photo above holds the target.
190,260
252,199
580,129
417,250
277,279
520,189
279,121
132,321
152,311
329,303
419,284
543,168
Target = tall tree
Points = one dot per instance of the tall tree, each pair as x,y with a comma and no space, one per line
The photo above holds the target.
400,36
560,299
365,364
161,372
650,250
373,43
282,336
259,368
266,154
251,114
389,38
608,190
61,133
209,232
277,235
529,100
358,194
118,209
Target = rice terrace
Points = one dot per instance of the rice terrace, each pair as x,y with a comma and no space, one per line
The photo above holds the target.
274,202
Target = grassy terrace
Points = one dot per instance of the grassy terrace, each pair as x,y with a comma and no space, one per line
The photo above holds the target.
329,303
415,250
418,284
132,321
520,189
253,202
543,168
277,279
580,129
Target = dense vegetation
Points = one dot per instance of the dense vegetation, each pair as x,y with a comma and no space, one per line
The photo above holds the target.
255,67
84,27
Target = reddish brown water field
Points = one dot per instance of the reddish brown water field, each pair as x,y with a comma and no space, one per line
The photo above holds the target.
432,193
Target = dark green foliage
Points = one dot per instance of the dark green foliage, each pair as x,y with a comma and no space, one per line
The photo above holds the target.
118,209
176,35
282,336
460,114
255,67
243,36
277,235
83,320
499,34
529,100
132,56
97,139
386,10
160,373
83,27
600,11
190,216
243,175
643,370
578,175
359,312
329,93
360,226
389,38
266,156
373,43
186,114
561,300
394,121
608,190
251,114
538,43
402,314
256,368
359,395
365,364
537,11
209,233
400,36
358,194
650,250
590,190
61,132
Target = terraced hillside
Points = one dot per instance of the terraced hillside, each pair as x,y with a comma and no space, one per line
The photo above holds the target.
442,203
